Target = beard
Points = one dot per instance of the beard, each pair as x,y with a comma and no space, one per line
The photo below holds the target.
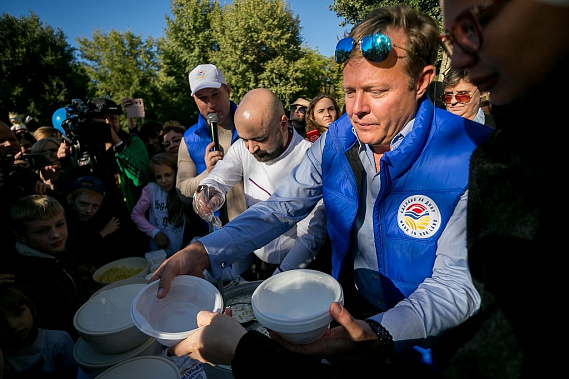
265,156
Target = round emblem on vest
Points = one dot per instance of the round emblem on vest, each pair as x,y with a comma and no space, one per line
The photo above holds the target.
418,216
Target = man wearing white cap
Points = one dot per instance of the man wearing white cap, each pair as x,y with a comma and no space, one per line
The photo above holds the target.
195,156
297,114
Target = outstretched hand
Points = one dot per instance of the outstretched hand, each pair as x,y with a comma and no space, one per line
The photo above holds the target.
191,260
214,342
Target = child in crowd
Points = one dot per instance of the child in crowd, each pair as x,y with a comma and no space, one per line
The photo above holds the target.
43,264
166,212
90,225
29,351
172,134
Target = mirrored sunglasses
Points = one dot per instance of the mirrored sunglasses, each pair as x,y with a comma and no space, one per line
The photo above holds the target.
375,48
298,108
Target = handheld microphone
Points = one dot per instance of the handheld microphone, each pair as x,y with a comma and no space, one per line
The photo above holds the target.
212,121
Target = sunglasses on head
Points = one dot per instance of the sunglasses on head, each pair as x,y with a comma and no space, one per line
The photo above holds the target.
461,97
298,108
375,48
466,29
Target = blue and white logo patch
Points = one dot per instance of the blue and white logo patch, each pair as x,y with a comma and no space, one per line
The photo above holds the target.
418,216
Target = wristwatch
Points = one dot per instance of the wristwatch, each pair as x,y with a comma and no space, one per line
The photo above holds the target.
385,339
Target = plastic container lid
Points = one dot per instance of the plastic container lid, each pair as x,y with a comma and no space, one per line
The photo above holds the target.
107,312
296,301
142,368
90,358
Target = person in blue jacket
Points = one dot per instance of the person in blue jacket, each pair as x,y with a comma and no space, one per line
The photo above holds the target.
393,173
196,156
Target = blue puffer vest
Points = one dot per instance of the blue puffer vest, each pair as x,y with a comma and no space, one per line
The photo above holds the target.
198,136
421,183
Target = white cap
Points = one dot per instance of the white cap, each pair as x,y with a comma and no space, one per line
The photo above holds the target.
205,76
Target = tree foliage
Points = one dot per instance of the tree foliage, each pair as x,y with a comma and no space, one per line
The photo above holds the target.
39,71
189,42
260,46
120,64
354,11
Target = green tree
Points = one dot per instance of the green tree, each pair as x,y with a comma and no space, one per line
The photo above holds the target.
39,71
354,11
189,42
260,45
122,65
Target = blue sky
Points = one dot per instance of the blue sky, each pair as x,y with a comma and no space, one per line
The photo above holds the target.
320,26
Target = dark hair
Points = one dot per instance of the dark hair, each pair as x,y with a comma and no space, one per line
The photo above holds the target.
12,297
311,123
174,204
150,129
176,128
24,135
452,78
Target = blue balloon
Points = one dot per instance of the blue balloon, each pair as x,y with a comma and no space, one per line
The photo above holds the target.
58,117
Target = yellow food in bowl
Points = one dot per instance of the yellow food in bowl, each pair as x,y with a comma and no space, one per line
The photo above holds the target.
118,273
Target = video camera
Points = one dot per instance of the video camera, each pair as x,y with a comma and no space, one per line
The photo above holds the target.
85,132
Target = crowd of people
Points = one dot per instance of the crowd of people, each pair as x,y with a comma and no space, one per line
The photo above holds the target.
432,220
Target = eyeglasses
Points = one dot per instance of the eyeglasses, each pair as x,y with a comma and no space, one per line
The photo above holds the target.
466,29
374,48
298,108
462,97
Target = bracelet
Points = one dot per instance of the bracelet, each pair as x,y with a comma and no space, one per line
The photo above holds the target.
385,339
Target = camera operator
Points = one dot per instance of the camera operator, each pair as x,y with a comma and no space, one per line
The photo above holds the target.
120,160
17,178
128,153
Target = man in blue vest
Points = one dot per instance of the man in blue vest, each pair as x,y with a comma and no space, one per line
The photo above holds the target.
196,156
393,173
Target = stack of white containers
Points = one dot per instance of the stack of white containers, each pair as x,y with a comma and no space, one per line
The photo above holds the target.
107,333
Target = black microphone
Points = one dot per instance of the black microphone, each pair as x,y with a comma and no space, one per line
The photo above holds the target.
212,120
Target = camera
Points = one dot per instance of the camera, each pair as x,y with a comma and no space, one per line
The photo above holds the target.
36,160
82,130
19,176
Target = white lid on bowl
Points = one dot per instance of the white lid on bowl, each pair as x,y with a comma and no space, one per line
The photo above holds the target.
142,368
109,311
87,356
296,300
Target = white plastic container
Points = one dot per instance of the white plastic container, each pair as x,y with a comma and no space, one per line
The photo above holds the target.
296,304
172,319
105,321
142,368
134,263
94,362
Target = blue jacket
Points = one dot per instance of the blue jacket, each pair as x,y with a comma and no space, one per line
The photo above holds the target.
198,136
421,183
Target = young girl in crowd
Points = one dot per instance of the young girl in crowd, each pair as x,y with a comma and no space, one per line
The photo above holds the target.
166,212
27,351
322,110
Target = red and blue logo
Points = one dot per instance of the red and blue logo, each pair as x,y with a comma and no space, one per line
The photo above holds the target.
418,216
